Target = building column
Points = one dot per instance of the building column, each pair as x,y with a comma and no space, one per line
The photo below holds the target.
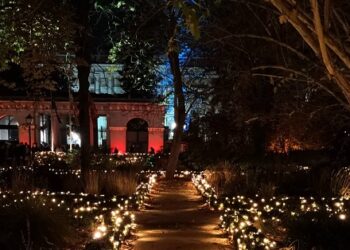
55,131
23,134
23,129
109,85
36,129
108,134
97,84
155,139
117,137
93,125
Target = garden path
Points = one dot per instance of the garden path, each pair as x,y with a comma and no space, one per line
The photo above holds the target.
177,219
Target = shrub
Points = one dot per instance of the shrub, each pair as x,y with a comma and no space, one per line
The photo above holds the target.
30,225
91,182
73,159
126,183
50,159
267,190
72,183
123,181
318,231
223,177
340,182
21,181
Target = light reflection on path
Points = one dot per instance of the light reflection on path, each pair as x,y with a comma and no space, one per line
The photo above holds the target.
177,219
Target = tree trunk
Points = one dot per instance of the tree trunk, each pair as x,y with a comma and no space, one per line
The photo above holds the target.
83,60
84,116
179,101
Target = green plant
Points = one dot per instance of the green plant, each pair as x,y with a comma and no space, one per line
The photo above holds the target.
50,159
73,159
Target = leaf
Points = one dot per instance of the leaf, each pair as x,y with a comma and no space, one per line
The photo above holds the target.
191,20
283,19
275,89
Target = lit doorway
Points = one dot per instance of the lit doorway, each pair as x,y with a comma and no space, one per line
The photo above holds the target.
137,136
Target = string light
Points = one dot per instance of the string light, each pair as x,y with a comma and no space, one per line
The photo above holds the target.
112,216
243,217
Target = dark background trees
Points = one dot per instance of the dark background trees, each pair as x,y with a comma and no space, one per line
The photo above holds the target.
274,88
271,91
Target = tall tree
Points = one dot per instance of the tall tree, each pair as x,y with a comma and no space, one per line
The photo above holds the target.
253,85
36,37
324,29
167,34
179,99
83,62
181,15
137,45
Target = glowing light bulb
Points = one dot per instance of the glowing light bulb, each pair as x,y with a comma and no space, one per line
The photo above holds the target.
97,235
342,216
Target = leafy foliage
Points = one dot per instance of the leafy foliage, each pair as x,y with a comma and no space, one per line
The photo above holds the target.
318,231
135,42
32,35
139,75
262,98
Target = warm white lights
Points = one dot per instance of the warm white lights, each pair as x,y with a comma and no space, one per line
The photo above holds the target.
115,210
244,218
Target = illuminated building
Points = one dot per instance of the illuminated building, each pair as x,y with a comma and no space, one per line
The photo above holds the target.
117,122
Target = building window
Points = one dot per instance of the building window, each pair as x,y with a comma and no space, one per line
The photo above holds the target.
92,81
45,128
8,129
102,131
103,85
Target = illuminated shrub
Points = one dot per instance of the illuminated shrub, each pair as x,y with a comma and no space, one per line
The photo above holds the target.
50,159
340,182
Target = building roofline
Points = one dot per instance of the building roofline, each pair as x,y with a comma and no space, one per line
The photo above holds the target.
100,98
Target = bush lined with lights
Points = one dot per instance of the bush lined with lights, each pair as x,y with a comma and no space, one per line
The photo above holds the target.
50,159
51,171
62,160
112,215
117,225
248,221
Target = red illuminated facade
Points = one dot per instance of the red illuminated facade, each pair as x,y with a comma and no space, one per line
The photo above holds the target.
51,123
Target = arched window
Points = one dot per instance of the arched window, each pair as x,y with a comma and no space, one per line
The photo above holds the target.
8,129
137,136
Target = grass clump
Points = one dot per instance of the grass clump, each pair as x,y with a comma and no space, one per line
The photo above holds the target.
35,224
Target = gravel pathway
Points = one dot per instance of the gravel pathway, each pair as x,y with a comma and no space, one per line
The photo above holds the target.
176,218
